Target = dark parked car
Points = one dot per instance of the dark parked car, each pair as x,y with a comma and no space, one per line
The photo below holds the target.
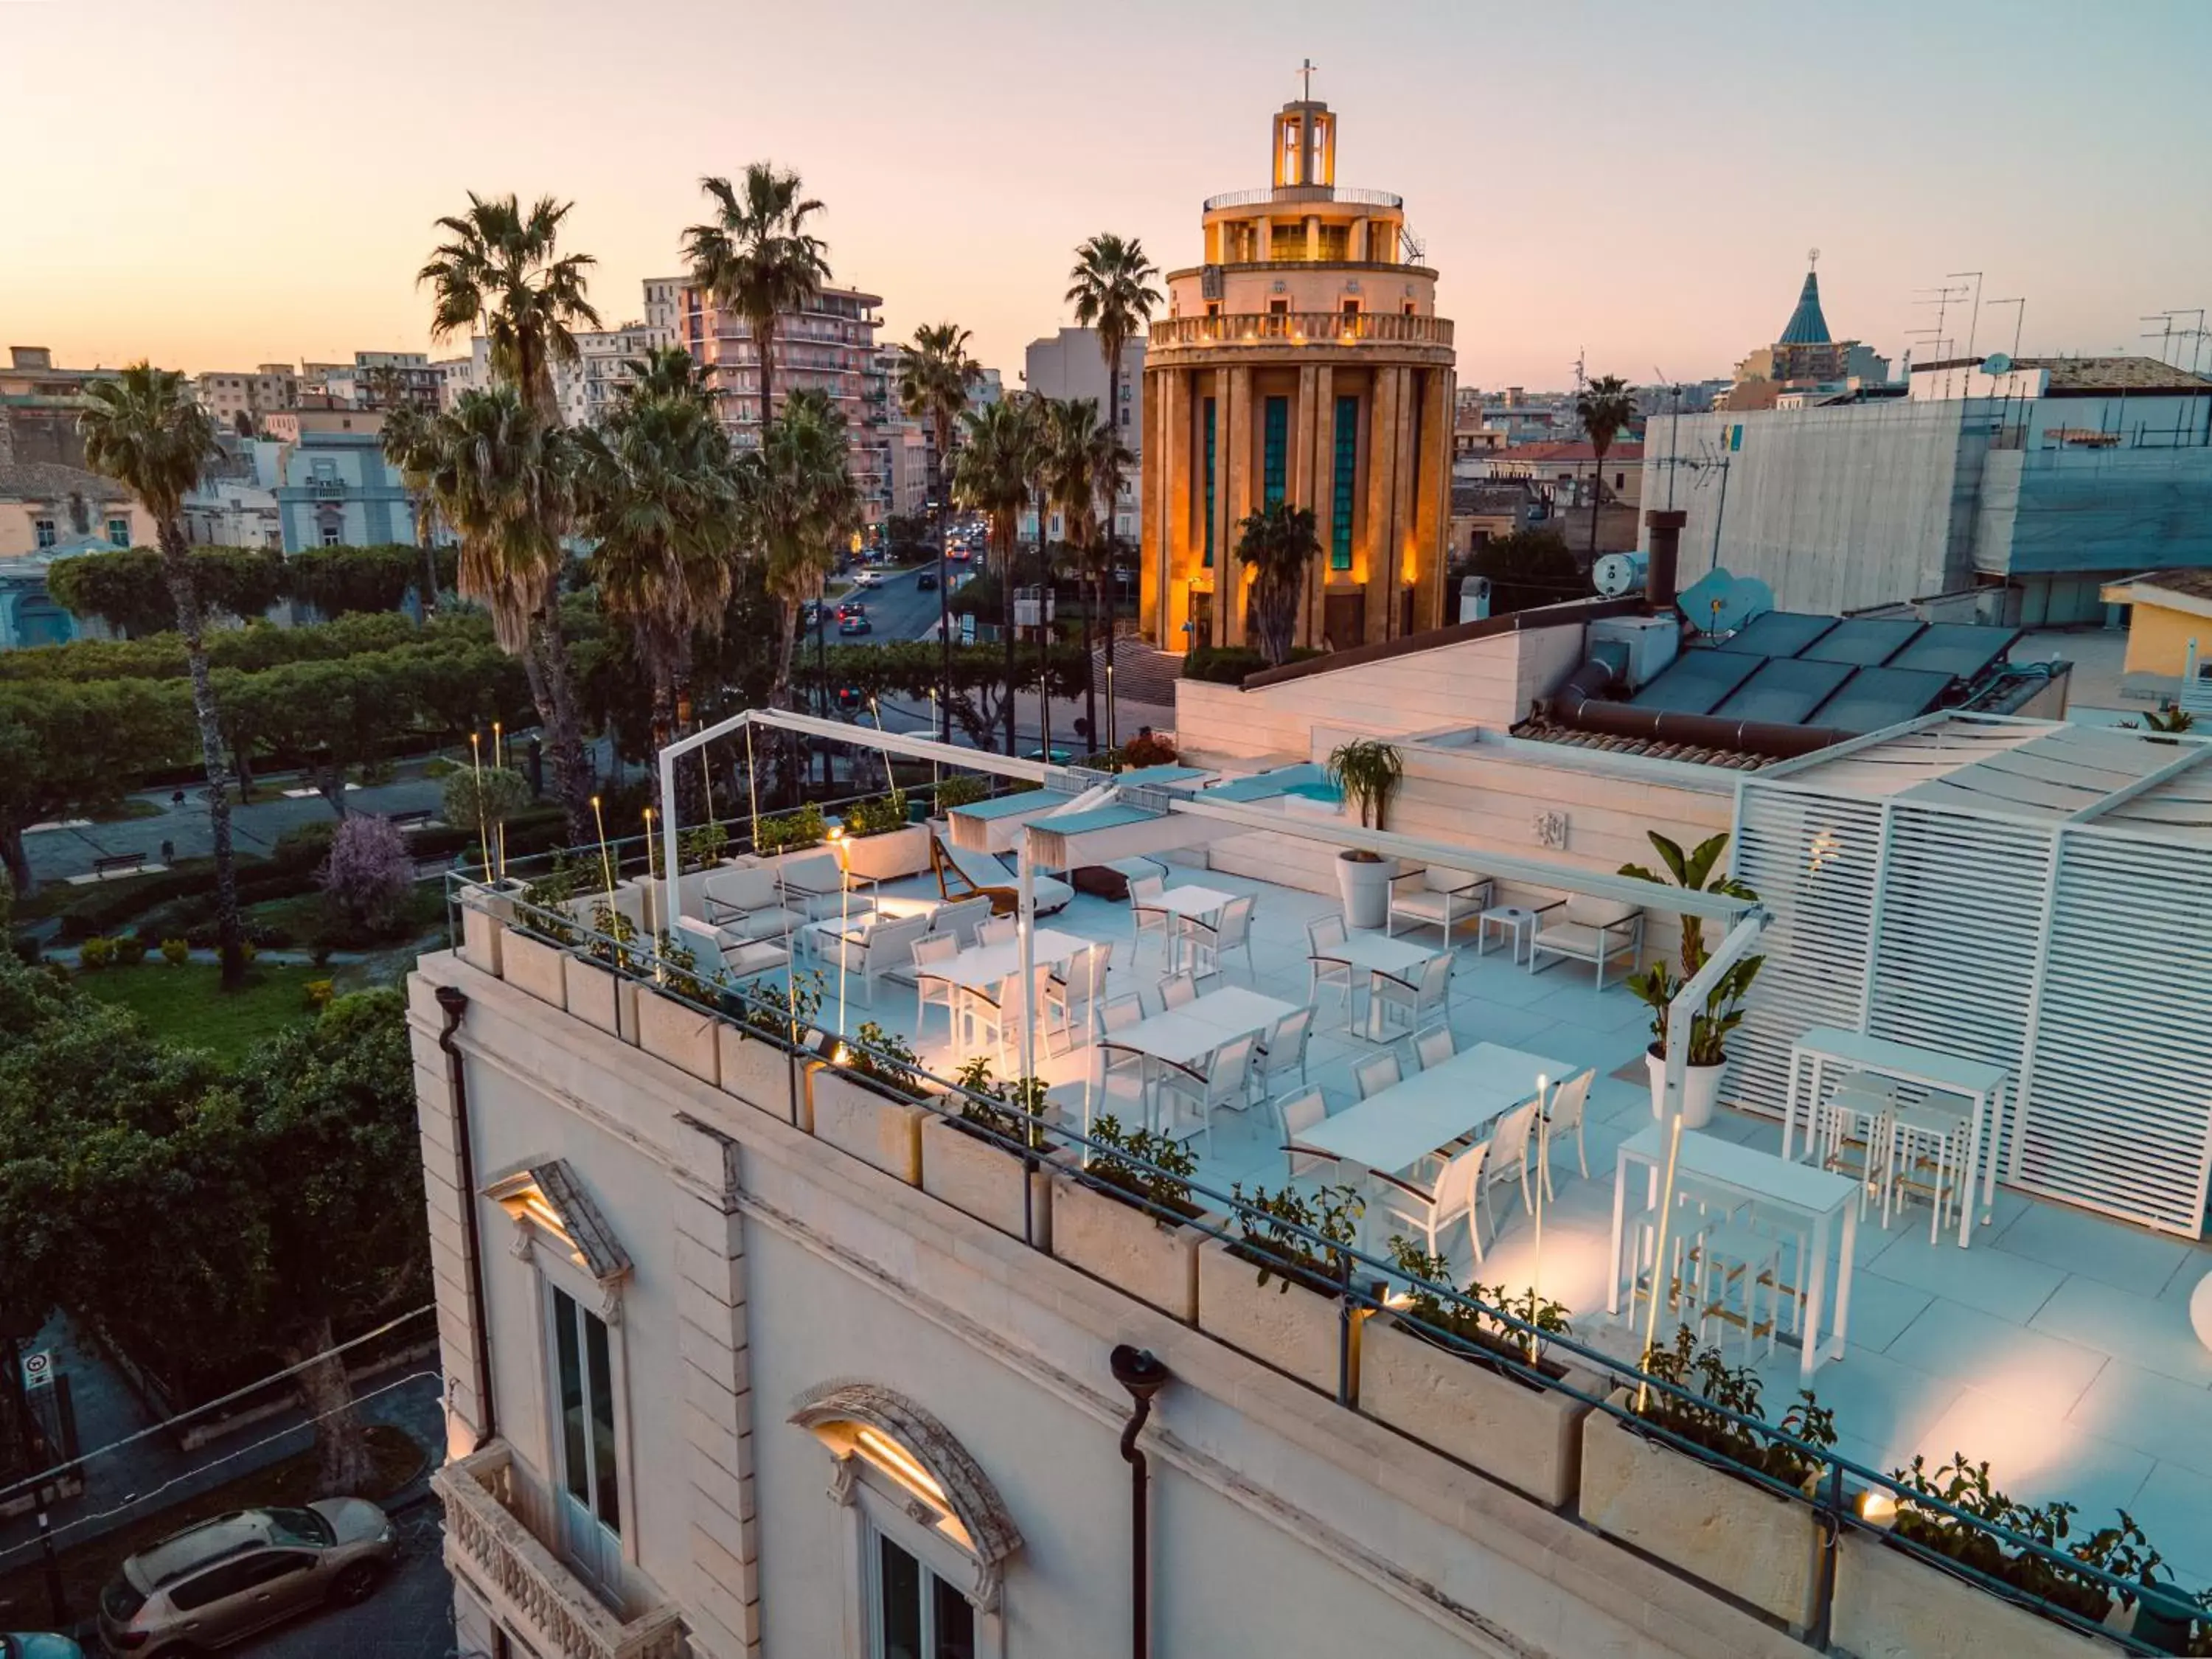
925,582
856,624
211,1584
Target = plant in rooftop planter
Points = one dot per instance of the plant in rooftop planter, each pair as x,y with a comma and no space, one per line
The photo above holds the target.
1146,749
961,789
985,1161
1659,984
677,1030
1297,1323
880,844
1368,772
1700,1498
1456,1376
753,1050
1123,1215
790,832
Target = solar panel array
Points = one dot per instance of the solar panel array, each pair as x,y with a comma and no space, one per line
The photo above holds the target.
1854,674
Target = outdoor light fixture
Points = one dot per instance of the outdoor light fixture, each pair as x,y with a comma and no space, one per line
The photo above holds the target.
1878,1508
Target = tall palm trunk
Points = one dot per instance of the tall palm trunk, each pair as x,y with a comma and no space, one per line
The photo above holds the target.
764,345
1006,613
944,422
779,695
176,572
554,688
1089,681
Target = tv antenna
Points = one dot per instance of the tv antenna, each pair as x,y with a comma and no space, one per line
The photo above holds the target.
1974,323
2019,317
1674,428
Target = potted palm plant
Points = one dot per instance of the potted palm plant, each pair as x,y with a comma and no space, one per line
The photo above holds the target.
1368,771
1658,985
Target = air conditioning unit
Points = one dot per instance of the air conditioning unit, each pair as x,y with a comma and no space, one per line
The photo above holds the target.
1650,643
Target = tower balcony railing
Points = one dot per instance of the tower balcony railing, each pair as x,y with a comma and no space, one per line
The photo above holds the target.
1301,328
1382,198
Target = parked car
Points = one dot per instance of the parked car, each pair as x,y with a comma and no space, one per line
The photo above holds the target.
925,582
858,624
866,579
211,1584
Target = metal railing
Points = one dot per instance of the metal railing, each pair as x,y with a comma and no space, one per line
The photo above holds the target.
1301,328
1837,1493
1291,193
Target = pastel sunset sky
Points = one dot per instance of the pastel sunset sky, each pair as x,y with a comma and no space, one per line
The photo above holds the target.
215,183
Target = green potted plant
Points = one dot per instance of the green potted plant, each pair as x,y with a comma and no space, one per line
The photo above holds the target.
1658,986
880,845
1368,772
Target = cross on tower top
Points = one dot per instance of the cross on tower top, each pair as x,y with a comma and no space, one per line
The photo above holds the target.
1812,255
1306,73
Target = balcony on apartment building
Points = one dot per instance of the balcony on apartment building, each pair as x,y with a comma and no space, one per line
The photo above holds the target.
493,1543
1301,328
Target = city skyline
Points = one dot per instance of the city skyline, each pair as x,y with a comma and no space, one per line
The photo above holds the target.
1638,189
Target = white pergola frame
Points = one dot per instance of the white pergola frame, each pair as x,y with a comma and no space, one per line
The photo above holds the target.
1743,921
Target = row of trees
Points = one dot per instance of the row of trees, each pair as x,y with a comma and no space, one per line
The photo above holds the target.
126,589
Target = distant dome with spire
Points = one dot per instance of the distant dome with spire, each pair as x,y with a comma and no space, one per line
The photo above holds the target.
1807,327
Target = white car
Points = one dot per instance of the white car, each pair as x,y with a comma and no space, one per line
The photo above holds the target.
866,579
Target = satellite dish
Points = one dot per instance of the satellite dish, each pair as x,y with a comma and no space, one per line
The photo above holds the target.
1616,574
1997,363
1719,603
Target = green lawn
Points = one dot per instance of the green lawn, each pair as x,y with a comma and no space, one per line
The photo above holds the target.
187,1003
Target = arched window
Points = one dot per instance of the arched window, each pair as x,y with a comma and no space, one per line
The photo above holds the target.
927,1537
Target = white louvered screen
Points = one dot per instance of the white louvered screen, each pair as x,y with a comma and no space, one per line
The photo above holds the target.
1961,923
2119,1097
1811,859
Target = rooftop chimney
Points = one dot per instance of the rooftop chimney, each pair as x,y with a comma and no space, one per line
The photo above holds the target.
1666,528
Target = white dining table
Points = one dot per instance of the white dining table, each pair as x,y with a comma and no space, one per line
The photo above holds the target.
1706,1163
980,966
1824,1046
1393,1129
1374,953
1190,901
1185,1035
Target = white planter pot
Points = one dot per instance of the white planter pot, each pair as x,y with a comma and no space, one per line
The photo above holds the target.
1530,1438
1285,1325
1701,1089
1756,1545
531,964
1889,1606
1366,886
889,857
759,1073
873,1127
679,1033
1120,1245
984,1180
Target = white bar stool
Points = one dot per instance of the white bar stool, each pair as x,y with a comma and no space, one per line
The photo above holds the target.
1738,1254
1926,1137
1857,1110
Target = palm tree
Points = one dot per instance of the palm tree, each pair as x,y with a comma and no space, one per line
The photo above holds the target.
935,375
505,480
997,461
384,386
1278,544
1111,291
756,258
408,445
145,431
1604,408
502,272
798,503
666,371
658,492
1073,453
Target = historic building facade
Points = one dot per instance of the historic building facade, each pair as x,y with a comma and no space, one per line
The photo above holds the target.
1302,361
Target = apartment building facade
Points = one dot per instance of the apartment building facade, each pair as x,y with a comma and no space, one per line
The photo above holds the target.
335,487
234,396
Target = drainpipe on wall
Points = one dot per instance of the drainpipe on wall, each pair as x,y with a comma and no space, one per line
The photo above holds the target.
454,1004
1142,1374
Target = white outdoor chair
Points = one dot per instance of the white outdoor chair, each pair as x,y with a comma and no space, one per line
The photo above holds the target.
737,956
1073,989
1294,1116
1000,1010
1509,1158
1429,1210
1373,1075
813,885
1569,1106
1124,1073
1434,1046
1211,942
1323,935
959,921
869,954
1222,1084
1283,1050
1147,918
1594,930
742,899
999,930
1437,897
1177,990
932,949
1414,1004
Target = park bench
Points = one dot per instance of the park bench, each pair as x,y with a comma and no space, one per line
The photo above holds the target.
414,819
118,864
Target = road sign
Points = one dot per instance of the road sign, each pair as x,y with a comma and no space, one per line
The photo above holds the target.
38,1369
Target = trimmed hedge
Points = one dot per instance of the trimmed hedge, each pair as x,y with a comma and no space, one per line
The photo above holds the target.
1228,664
